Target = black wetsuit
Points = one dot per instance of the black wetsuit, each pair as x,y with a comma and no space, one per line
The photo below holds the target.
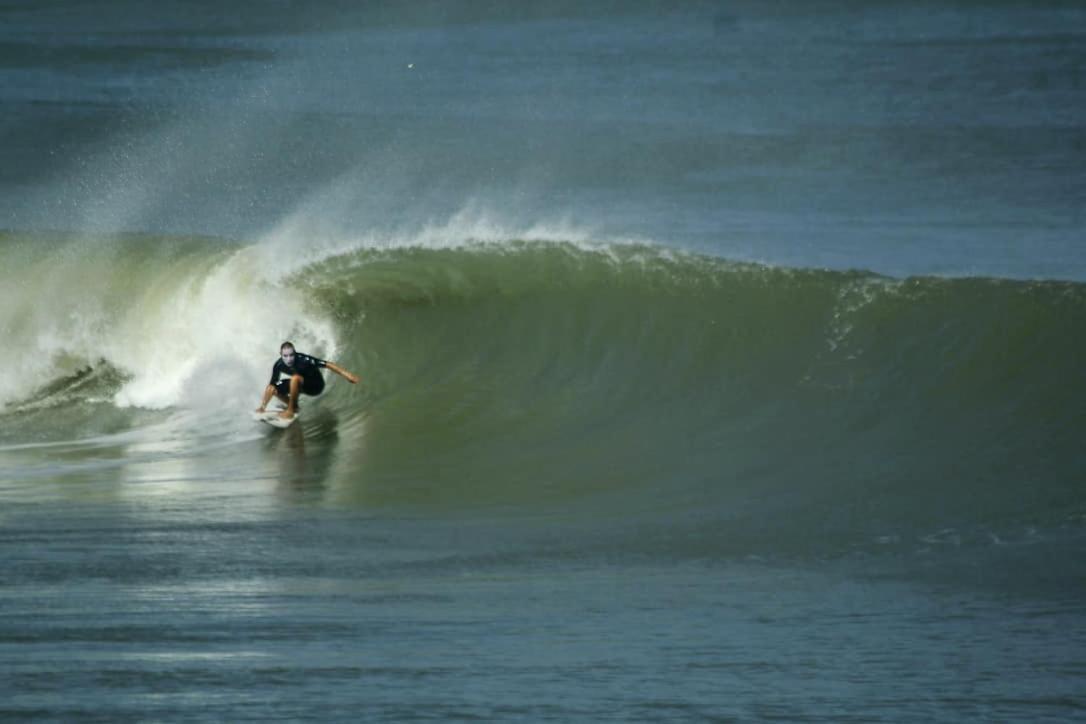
308,367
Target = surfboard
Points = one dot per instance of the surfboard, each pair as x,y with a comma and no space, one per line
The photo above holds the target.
271,417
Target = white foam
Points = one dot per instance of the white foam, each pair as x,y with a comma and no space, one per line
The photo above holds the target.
188,334
213,334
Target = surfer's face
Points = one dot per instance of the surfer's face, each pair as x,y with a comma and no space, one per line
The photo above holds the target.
288,357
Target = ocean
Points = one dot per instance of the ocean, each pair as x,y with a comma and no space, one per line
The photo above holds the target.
719,361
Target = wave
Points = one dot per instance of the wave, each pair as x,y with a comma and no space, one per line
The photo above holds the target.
545,372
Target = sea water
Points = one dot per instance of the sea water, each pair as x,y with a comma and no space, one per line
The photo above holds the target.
719,361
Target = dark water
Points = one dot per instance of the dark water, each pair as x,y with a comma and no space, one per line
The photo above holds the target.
718,362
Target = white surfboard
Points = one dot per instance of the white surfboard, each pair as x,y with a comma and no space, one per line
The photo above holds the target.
271,417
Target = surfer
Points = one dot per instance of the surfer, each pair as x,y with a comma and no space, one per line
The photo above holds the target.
297,374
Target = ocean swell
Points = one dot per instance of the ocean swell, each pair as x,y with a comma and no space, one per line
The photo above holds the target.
553,373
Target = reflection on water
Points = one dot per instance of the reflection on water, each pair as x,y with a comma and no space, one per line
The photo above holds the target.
304,455
182,463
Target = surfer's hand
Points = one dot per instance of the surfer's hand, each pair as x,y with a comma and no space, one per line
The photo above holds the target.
353,379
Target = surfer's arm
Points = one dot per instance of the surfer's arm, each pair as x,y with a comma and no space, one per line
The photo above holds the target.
341,372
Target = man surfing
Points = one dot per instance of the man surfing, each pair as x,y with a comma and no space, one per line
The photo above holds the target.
297,374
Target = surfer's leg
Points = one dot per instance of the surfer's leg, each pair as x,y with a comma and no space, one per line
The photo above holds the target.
292,403
269,391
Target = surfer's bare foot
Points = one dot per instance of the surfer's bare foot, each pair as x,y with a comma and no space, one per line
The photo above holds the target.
286,414
260,409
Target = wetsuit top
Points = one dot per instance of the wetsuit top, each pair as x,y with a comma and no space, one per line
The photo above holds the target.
306,366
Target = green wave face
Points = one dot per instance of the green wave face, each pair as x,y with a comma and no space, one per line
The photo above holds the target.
551,371
603,378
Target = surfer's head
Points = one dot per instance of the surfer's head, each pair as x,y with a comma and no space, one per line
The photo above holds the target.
286,351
